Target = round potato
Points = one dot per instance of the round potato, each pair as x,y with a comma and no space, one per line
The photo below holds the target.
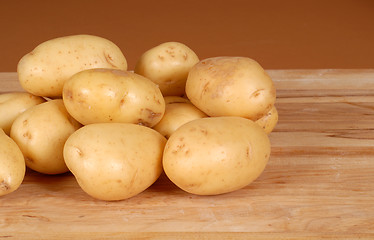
177,113
114,161
231,86
12,165
107,95
167,65
44,70
216,155
269,120
41,132
13,104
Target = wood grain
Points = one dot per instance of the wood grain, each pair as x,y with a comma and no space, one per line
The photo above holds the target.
318,183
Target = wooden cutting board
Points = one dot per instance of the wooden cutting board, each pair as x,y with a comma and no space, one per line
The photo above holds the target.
319,182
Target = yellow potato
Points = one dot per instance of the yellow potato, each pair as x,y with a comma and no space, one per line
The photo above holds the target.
177,112
114,161
107,95
13,104
41,132
231,86
269,120
167,65
44,70
216,155
12,165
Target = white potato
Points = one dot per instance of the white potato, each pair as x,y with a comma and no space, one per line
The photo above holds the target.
231,86
114,161
13,104
216,155
108,95
177,112
41,132
167,65
44,70
12,165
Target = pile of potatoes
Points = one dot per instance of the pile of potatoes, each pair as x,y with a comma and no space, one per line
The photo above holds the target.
205,123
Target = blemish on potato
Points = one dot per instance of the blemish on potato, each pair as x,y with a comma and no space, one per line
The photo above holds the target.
4,186
27,135
29,159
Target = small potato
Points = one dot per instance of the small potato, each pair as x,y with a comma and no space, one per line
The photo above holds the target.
44,70
13,104
269,120
114,161
107,95
12,165
177,112
231,86
41,132
167,65
216,155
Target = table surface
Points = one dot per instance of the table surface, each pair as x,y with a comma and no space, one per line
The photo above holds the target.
318,182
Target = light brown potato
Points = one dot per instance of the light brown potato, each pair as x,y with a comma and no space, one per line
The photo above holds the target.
167,65
13,104
12,165
114,161
44,70
231,86
177,112
41,132
216,155
107,95
269,120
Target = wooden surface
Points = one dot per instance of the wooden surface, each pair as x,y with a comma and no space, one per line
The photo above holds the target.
318,183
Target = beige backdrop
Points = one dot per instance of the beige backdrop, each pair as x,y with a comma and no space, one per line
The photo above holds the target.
278,34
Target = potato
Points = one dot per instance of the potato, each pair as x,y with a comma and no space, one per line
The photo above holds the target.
177,112
12,165
167,65
231,86
44,70
216,155
41,132
269,120
14,103
107,95
114,161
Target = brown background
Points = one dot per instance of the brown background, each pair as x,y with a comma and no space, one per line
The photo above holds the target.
278,34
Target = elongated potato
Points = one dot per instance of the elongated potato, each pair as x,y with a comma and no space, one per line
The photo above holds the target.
12,165
41,132
108,95
14,103
216,155
231,86
114,161
44,70
167,65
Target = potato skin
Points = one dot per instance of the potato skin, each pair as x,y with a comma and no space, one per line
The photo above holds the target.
177,112
12,165
114,161
167,65
231,86
108,95
269,120
44,70
13,104
216,155
41,132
